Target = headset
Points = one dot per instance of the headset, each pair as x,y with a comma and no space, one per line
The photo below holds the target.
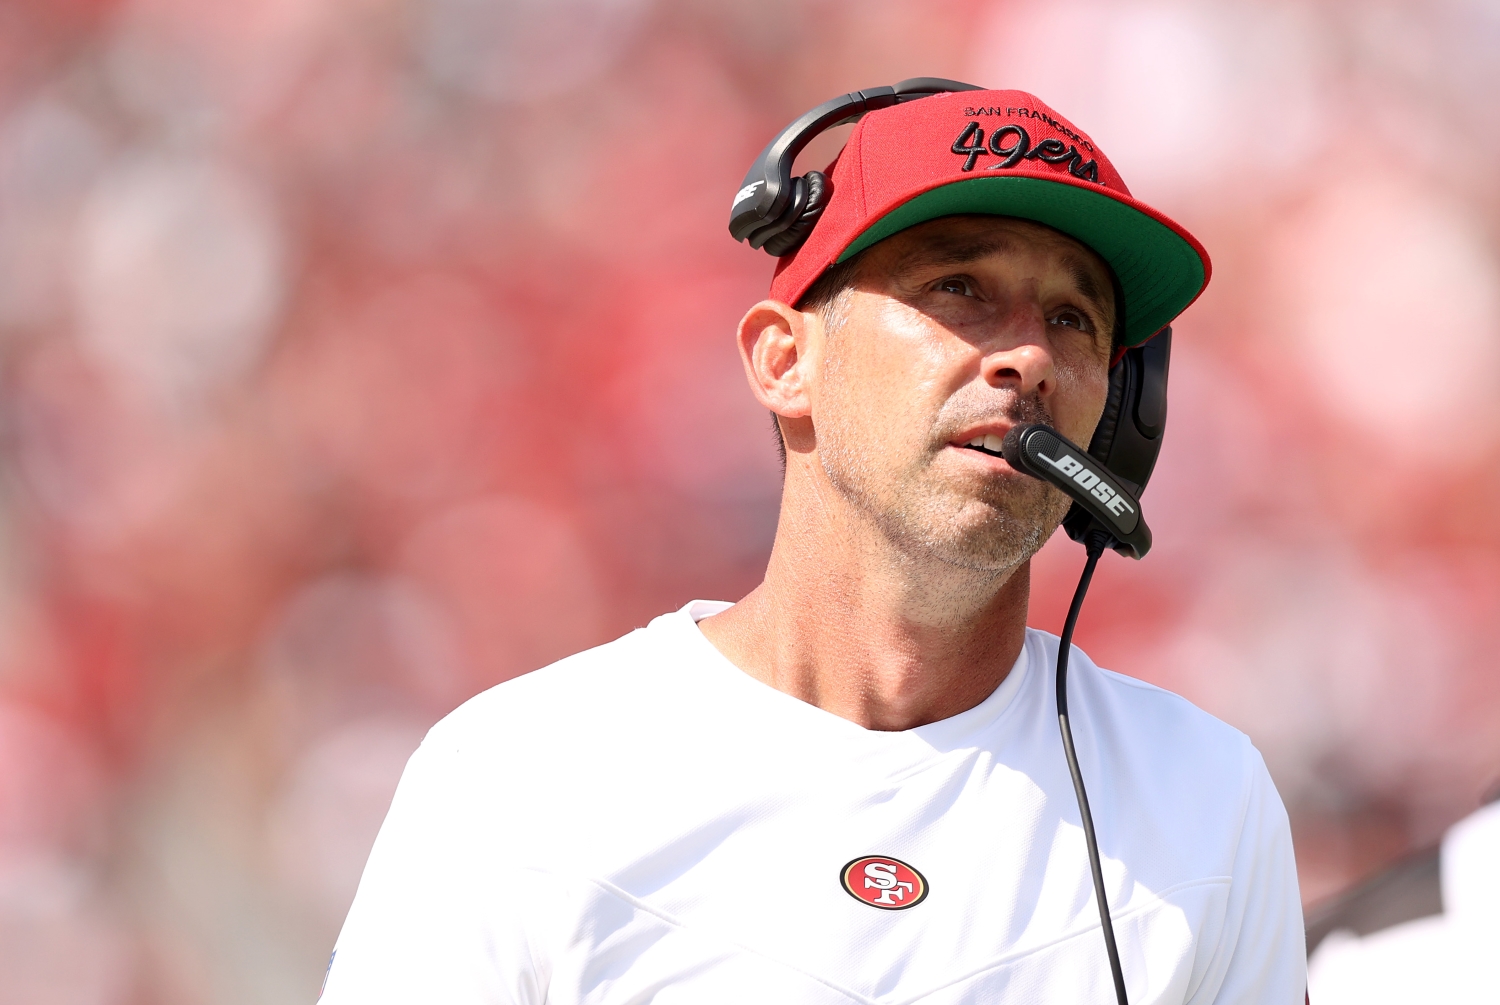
776,212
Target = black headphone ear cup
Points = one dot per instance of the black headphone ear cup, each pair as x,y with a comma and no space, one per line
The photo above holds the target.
810,196
1109,420
1129,435
766,233
1078,521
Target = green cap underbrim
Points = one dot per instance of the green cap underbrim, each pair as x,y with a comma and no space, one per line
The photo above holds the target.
1159,271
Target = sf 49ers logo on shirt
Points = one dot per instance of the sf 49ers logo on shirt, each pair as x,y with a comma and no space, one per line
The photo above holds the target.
887,883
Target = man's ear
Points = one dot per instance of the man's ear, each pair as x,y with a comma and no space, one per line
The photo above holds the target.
775,342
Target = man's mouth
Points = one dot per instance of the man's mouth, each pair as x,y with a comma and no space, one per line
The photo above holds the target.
989,443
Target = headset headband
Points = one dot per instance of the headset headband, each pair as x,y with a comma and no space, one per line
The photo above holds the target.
760,209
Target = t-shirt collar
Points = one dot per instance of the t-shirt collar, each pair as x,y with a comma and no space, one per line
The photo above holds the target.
962,730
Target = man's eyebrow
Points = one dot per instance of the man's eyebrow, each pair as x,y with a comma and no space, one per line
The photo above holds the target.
1083,279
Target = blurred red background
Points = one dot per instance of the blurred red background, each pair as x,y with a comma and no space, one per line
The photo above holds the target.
360,354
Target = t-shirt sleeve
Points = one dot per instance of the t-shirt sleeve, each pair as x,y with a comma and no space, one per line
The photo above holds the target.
439,915
1262,955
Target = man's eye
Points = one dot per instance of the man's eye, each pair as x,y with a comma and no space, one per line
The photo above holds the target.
1072,319
956,285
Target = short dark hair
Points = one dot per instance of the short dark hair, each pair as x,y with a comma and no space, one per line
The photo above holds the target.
835,279
820,298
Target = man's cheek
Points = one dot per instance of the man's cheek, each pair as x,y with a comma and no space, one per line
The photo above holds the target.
1083,387
889,392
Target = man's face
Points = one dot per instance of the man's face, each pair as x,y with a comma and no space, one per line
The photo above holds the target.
957,330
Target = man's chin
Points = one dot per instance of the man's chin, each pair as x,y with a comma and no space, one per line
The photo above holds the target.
991,532
982,542
998,538
988,554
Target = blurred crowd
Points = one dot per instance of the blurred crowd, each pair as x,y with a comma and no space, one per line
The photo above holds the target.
356,355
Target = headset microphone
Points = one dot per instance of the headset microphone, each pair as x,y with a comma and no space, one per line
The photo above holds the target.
1042,452
1105,514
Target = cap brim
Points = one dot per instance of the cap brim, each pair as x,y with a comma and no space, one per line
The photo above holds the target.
1160,267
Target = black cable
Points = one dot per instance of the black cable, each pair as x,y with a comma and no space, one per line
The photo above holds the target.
1095,543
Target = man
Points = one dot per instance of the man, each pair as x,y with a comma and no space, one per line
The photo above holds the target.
849,786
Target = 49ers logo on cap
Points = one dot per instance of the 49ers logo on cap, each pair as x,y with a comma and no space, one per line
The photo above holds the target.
1013,143
887,883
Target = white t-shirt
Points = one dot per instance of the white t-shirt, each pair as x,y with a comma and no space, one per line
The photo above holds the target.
644,822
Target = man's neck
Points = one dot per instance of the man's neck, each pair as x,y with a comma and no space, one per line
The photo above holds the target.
850,622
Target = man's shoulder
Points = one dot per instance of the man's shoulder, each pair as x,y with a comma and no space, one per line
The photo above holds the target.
1158,744
568,689
628,684
1152,714
594,736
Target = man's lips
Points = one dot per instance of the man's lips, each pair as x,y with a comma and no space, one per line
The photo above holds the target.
982,439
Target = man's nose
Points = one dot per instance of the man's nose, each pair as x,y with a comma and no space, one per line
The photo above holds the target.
1023,361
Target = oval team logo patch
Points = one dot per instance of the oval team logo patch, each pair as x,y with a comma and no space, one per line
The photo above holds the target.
887,883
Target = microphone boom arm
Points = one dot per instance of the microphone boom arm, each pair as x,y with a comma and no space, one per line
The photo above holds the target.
1043,452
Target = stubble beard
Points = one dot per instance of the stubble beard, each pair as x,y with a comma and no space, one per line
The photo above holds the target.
926,517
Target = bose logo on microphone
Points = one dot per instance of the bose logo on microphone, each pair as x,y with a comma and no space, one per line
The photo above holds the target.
1086,479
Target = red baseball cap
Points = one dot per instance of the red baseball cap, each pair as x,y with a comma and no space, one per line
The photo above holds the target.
1003,153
